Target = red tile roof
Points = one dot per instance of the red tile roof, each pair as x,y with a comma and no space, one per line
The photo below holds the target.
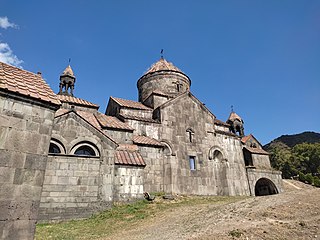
26,83
61,111
130,103
219,122
112,122
129,147
257,151
245,138
89,116
144,140
77,101
68,72
143,119
233,116
129,158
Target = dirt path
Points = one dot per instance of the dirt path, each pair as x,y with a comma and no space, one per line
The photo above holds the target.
294,214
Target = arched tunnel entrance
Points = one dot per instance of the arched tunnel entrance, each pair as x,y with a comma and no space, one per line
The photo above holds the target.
265,187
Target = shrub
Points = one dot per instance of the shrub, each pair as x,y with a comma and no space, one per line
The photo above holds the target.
302,177
235,233
316,181
309,178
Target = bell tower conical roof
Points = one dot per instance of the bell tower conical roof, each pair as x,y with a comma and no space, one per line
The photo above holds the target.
67,81
233,116
68,72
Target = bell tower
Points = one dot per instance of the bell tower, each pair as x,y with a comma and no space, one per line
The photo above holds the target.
236,123
67,81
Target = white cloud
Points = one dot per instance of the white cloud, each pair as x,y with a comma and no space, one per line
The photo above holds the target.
7,56
4,23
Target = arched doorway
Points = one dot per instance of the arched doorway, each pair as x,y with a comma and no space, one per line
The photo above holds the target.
265,187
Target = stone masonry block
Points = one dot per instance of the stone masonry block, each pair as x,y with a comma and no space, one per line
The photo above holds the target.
6,174
34,161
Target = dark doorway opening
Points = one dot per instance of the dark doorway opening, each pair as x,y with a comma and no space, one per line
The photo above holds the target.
265,187
247,157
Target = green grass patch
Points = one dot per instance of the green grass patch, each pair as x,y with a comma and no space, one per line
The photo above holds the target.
120,218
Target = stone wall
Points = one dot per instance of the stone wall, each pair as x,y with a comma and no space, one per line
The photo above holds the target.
76,186
128,183
71,188
149,129
261,161
155,100
221,176
255,174
165,82
120,136
25,132
154,171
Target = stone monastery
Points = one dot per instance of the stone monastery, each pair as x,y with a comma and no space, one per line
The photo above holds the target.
60,158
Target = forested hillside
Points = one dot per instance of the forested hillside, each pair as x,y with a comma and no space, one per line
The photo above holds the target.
297,155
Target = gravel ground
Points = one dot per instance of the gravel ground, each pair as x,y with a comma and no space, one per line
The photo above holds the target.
294,214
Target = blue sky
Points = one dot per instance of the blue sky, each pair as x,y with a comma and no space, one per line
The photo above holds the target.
262,57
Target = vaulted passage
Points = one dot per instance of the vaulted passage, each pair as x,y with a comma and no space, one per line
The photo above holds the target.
265,187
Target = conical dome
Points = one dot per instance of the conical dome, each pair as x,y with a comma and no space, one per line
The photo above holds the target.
67,81
163,77
162,65
68,72
233,116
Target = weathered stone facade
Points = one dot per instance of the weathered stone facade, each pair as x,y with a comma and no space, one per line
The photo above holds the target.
25,131
167,142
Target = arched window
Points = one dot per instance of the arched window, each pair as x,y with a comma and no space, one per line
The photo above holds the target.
85,150
56,147
53,148
217,155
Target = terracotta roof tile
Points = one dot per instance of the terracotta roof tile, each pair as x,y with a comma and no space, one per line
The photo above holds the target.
129,147
245,138
233,116
86,116
68,72
78,101
90,118
219,122
144,140
129,158
257,151
112,122
61,111
143,119
26,83
130,103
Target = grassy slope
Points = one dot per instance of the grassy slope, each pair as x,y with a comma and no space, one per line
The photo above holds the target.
120,218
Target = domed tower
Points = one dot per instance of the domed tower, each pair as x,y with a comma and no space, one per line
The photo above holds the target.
67,81
163,78
236,124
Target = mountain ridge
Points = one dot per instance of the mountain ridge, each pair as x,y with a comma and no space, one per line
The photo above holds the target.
294,139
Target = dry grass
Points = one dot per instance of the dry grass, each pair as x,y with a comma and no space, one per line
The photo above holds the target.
122,217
